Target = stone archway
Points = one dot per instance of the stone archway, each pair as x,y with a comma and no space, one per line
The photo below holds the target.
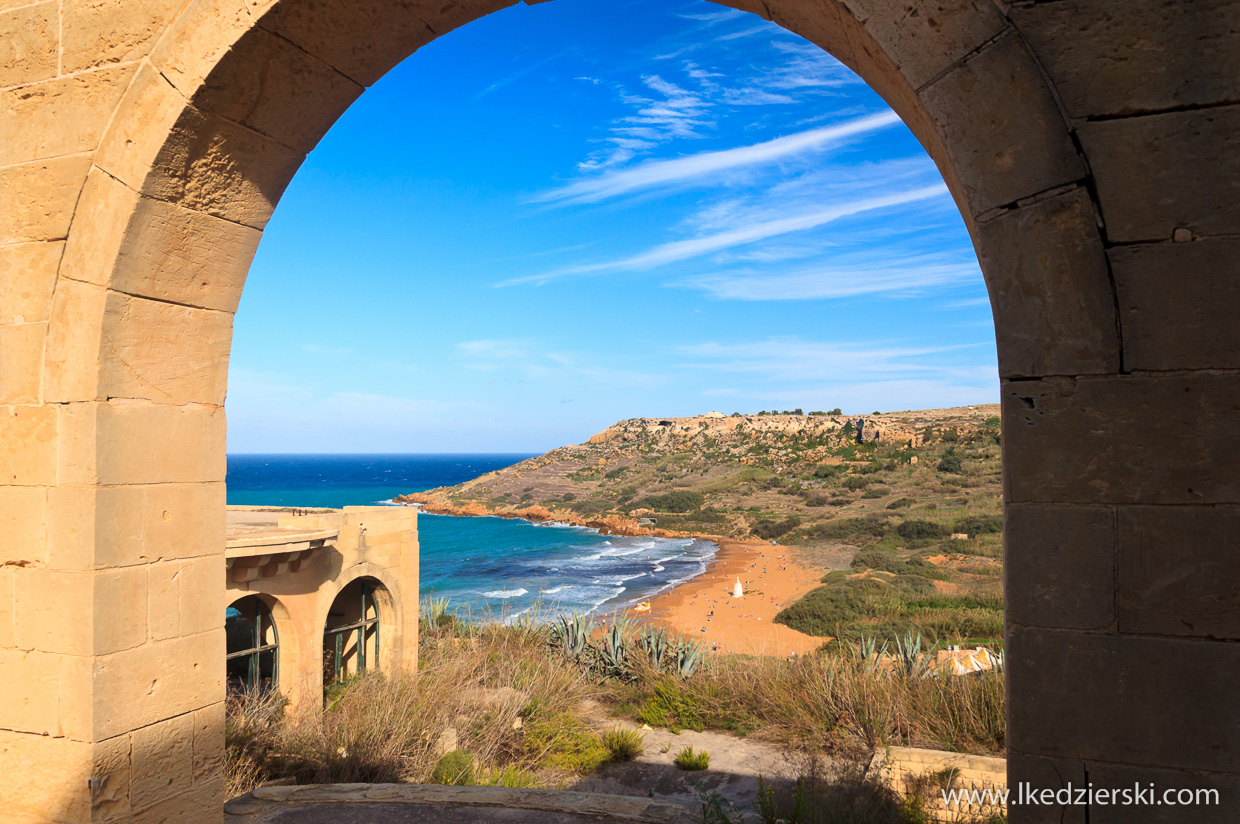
1090,144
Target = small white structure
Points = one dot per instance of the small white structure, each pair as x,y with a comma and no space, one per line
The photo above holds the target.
738,591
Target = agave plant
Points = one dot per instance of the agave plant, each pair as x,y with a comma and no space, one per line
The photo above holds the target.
689,655
614,653
868,654
655,644
571,634
434,609
914,661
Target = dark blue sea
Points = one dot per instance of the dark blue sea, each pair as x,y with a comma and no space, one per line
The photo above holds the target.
486,566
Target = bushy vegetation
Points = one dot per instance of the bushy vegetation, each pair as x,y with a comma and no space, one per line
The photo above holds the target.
678,500
512,700
623,744
690,759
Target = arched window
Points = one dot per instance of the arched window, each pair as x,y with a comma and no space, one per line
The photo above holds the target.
351,635
253,646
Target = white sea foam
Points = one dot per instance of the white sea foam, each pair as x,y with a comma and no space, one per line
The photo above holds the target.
555,590
506,593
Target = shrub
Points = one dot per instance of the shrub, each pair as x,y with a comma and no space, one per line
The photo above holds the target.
916,530
900,503
874,493
623,744
951,463
770,530
980,524
856,482
455,768
690,759
827,470
562,740
680,500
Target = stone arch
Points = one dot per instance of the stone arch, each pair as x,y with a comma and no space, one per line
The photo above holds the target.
388,594
1090,145
282,625
375,646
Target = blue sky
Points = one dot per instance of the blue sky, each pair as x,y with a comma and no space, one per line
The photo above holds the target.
564,215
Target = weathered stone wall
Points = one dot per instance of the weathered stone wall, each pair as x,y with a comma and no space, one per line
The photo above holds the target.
1090,144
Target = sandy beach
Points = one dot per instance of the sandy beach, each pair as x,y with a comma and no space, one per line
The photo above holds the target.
704,608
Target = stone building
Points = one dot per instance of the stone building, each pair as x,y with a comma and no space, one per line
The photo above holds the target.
315,598
1092,147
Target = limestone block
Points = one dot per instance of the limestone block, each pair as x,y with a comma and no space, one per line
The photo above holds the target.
1044,773
39,198
442,16
200,36
27,277
113,770
276,88
1123,776
182,256
23,511
1134,700
49,607
1115,57
163,761
138,442
208,742
30,45
1017,145
1159,173
90,527
71,359
29,437
59,117
163,600
362,39
1046,272
202,594
1060,571
163,352
21,362
1154,439
146,114
203,804
184,520
1179,571
57,770
98,32
6,609
135,688
29,690
218,167
100,222
926,39
1178,303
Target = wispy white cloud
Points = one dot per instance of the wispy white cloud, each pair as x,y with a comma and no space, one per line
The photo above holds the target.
696,247
529,358
679,170
907,277
802,361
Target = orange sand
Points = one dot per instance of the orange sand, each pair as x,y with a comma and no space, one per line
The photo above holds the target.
741,625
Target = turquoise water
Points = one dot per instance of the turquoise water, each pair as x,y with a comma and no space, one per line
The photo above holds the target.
490,566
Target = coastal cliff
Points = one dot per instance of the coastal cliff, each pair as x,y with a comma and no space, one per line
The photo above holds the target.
760,476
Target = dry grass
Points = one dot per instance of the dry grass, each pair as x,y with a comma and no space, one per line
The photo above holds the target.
513,705
386,728
826,703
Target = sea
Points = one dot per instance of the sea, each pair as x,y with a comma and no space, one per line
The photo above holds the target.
492,568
